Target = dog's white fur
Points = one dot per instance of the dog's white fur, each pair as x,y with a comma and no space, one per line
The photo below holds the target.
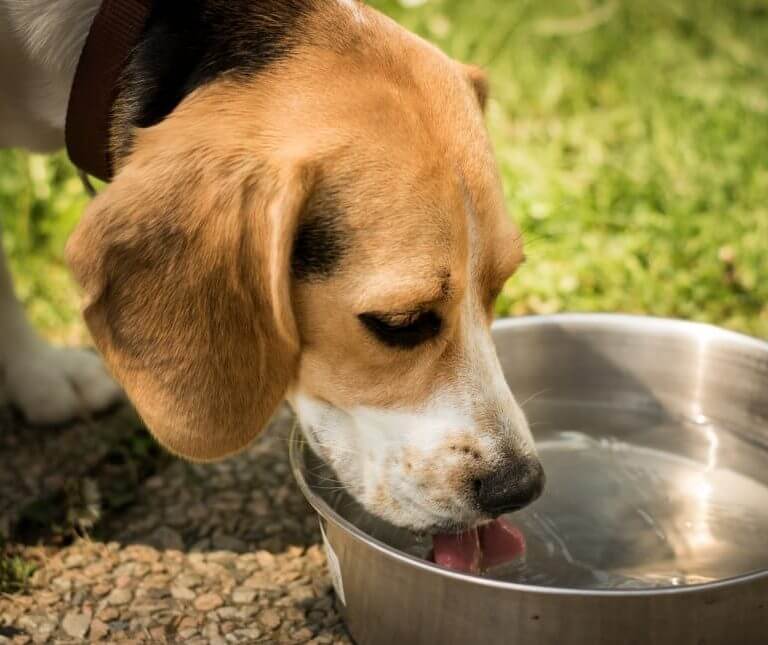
40,43
368,447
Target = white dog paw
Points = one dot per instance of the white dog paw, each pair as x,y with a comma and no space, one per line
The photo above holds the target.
52,386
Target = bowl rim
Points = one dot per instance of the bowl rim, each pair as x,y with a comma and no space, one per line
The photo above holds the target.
297,445
704,331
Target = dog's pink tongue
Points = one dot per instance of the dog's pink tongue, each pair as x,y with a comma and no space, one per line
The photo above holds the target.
459,551
478,549
501,543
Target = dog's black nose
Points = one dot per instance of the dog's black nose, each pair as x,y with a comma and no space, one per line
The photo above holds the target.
511,487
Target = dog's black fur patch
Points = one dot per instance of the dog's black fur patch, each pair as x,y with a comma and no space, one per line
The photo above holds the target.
188,43
321,241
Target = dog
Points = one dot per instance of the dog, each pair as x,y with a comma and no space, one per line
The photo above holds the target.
305,206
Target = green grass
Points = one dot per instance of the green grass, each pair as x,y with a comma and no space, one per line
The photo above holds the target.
41,199
633,143
15,571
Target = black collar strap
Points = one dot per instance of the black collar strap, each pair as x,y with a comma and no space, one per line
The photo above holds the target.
116,29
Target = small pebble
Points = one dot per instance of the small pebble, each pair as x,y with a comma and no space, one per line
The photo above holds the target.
98,630
182,593
270,619
75,624
120,597
208,602
243,596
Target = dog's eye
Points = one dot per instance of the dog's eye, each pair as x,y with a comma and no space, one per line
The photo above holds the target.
403,331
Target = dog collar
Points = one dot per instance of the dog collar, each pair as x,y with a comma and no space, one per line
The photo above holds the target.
115,30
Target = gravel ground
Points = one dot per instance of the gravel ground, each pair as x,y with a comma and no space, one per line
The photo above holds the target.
35,464
222,553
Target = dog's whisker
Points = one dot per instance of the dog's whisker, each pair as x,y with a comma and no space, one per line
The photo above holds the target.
533,397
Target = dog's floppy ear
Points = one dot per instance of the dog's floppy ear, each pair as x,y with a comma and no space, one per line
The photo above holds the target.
185,264
479,80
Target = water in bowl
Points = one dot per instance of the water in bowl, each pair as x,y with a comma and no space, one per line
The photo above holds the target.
634,500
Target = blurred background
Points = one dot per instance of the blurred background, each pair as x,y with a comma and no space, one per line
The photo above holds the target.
632,139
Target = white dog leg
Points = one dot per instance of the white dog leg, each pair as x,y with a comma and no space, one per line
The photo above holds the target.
48,385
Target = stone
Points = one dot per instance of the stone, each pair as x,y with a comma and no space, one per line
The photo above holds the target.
315,617
265,559
120,597
37,624
74,561
227,613
107,614
148,609
189,622
259,581
285,577
302,635
200,545
98,630
101,590
125,569
75,624
221,556
164,537
157,593
301,594
122,582
182,593
45,598
97,569
243,596
141,553
211,569
258,507
208,602
270,619
324,602
189,580
247,635
61,583
228,543
211,630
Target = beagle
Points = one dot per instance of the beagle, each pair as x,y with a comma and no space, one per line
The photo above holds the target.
305,206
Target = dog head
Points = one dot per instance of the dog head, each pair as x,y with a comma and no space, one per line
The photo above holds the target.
330,229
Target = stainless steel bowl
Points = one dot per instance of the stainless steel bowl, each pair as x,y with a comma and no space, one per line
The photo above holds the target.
654,525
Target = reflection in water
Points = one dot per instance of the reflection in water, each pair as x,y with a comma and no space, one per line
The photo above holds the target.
623,516
627,514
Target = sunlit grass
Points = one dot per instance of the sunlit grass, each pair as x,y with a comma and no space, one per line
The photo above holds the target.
15,571
633,143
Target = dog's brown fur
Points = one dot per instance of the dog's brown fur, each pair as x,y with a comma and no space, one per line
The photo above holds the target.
185,258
